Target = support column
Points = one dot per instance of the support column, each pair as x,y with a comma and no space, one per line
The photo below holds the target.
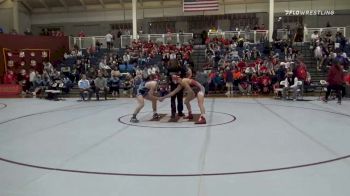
271,19
15,15
134,19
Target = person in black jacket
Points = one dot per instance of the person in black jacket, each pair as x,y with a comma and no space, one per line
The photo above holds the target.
177,68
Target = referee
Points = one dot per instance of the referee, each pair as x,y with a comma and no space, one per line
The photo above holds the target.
176,66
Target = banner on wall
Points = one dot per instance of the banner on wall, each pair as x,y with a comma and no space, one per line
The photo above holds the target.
17,60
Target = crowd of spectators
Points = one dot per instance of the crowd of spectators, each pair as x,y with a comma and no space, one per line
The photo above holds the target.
234,66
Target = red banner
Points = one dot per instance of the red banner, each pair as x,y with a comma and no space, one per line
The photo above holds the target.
9,90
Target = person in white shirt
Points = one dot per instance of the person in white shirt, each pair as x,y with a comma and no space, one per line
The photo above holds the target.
172,56
291,83
126,58
84,86
109,41
315,38
318,56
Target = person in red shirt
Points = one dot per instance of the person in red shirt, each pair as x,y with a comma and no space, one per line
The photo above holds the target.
81,34
9,78
335,81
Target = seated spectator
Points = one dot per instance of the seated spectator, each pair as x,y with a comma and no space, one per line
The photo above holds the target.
265,83
39,86
114,84
101,85
244,86
291,83
84,87
23,80
9,78
67,84
128,85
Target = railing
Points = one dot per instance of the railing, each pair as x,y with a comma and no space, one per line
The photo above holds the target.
283,33
86,42
255,36
333,30
169,38
347,32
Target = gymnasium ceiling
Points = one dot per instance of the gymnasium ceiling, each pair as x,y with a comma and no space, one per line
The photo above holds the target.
72,5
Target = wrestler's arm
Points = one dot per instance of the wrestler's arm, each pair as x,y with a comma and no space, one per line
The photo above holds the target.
152,90
172,93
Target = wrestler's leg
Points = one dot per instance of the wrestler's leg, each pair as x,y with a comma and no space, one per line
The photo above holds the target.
200,99
140,104
188,99
154,106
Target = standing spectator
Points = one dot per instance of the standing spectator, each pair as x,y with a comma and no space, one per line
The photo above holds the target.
228,78
109,41
84,86
81,34
28,31
335,81
315,37
101,85
318,53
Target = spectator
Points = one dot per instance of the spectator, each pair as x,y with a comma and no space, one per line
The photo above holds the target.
81,34
203,79
335,81
318,53
28,31
109,41
101,85
84,87
67,84
291,83
23,80
32,77
244,86
39,86
228,78
14,32
9,78
126,58
1,30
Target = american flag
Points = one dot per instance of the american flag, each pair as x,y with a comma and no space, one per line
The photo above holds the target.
200,5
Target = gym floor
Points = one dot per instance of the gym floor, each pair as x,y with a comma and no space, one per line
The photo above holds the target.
249,146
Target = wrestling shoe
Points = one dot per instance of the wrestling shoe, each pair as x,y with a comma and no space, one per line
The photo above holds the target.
181,114
324,100
156,116
201,120
189,117
134,120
